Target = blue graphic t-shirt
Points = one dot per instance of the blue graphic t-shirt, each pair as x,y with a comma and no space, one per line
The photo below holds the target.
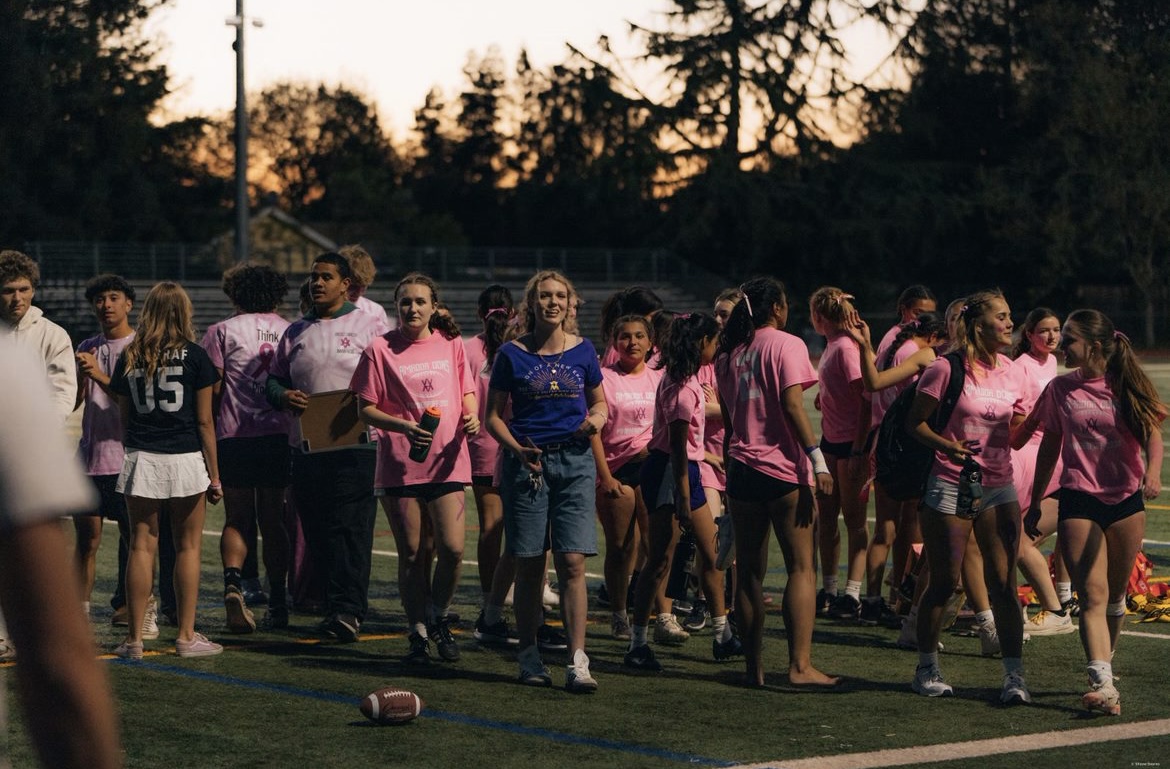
547,391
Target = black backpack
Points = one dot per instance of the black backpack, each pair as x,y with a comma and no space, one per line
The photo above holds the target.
903,463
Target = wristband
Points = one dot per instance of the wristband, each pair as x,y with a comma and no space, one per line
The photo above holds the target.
818,460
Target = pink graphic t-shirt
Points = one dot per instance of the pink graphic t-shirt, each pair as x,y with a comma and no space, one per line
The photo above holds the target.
1101,456
752,382
630,398
674,402
403,377
839,368
101,423
372,308
483,448
319,355
243,348
989,400
713,432
1037,375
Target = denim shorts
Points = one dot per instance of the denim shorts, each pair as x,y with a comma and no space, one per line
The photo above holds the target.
944,495
557,511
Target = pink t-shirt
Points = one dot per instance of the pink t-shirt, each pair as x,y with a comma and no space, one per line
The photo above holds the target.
404,377
887,340
1038,375
610,356
372,308
752,383
1101,456
483,448
318,355
713,432
674,402
984,412
101,423
630,398
881,400
840,366
243,347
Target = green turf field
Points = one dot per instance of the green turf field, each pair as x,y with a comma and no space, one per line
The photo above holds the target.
286,700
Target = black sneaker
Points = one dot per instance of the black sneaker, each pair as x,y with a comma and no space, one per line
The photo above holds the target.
344,627
1072,606
445,643
725,650
642,658
551,639
498,634
845,607
871,610
824,601
420,650
697,619
254,594
276,618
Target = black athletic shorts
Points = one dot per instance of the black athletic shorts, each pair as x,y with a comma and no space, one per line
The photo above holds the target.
1078,504
750,485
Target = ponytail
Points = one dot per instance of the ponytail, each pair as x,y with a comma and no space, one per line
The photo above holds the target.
926,325
753,311
681,352
496,310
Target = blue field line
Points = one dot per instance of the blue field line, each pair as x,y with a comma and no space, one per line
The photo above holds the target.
455,718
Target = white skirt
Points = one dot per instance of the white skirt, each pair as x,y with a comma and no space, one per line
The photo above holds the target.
163,476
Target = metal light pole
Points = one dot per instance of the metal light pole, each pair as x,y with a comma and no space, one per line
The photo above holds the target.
239,22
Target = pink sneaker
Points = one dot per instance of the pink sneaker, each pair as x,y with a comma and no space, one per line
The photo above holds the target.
129,651
198,646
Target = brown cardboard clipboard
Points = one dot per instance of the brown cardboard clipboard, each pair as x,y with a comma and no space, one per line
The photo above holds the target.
331,422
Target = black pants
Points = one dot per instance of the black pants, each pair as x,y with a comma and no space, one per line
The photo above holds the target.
335,500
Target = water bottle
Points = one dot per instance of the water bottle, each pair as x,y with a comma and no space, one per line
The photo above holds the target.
970,500
430,421
681,566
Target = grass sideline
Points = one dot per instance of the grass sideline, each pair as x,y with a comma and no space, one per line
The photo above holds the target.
285,699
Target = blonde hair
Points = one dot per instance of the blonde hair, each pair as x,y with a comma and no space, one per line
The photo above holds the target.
361,265
164,328
831,303
530,299
966,336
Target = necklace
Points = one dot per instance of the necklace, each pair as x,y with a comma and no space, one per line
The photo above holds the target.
554,366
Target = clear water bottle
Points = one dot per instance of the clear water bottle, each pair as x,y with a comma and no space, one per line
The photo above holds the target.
430,421
970,500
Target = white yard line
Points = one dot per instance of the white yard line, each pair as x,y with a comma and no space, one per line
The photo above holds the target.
976,748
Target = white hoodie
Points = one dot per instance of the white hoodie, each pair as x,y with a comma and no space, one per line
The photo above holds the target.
52,344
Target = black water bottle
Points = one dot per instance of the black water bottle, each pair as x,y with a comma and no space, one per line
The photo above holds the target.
681,566
970,500
430,421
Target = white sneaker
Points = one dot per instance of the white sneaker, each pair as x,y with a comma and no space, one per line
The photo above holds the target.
1103,699
577,677
150,620
667,631
621,627
929,683
1014,691
1045,622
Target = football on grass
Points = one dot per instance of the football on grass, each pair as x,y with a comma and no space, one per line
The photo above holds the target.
391,706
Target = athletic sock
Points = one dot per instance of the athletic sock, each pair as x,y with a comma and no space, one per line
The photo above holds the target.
830,584
1064,591
722,628
421,629
1013,665
928,659
233,578
638,636
984,617
1100,672
853,588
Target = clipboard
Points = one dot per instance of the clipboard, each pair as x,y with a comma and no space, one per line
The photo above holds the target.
331,422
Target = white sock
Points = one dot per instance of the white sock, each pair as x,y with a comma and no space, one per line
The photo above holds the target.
1064,591
620,616
638,636
1100,672
722,628
1013,665
421,629
492,613
853,588
830,584
928,659
984,617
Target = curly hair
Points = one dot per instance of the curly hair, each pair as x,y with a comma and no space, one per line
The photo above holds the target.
681,352
100,284
15,265
254,287
532,291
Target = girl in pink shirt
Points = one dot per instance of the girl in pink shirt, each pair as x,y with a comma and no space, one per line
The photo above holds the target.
844,427
773,469
989,406
633,300
400,375
885,377
1101,418
672,487
1037,364
619,450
